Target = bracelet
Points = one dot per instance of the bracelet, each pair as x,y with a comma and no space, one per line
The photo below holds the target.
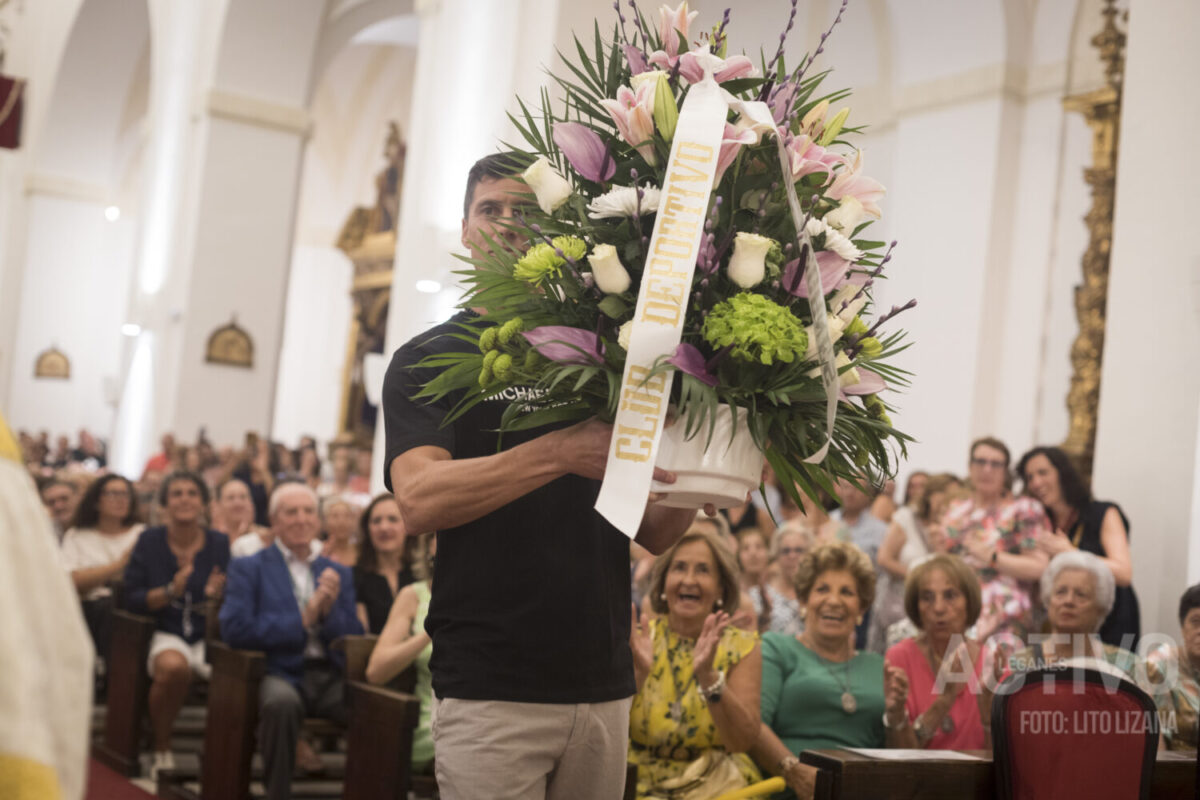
712,693
167,591
787,762
891,727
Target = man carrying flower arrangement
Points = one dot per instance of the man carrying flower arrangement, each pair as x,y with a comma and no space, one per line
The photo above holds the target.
531,665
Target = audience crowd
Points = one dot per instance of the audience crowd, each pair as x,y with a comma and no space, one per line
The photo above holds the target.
848,621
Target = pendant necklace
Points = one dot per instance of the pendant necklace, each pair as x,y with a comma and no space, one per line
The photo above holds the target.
675,709
849,701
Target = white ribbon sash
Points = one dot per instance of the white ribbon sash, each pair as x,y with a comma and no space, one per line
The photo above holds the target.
664,294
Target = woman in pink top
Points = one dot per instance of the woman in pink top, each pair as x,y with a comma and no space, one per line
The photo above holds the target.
942,598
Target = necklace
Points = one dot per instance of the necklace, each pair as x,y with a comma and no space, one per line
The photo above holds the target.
935,661
675,709
849,701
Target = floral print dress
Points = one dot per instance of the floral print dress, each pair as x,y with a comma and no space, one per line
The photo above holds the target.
1012,527
670,725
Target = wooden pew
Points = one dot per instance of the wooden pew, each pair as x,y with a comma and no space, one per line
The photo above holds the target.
128,690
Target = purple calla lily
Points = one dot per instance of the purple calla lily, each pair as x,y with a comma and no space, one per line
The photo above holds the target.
585,150
868,383
833,273
635,58
566,345
688,359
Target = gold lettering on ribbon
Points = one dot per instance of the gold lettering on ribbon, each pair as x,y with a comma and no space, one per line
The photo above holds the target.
645,396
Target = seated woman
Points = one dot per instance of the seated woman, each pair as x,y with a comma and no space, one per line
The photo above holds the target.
382,569
912,536
233,515
1078,590
776,601
697,675
817,692
340,516
1081,522
173,572
941,597
404,642
96,548
1184,698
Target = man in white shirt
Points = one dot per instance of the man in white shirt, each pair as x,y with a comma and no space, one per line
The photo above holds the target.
291,602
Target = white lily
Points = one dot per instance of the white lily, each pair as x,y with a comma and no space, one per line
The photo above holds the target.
836,327
846,217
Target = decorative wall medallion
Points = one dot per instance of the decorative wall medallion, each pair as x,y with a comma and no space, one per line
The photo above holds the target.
230,345
52,363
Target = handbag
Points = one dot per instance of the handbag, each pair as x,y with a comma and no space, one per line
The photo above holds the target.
12,103
711,775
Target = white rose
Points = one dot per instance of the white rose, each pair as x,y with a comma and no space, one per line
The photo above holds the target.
836,326
610,273
847,378
552,189
747,265
846,217
624,333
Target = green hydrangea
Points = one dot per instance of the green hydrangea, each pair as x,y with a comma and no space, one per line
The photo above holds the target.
756,328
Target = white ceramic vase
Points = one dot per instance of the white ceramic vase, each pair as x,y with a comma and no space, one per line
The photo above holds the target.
721,473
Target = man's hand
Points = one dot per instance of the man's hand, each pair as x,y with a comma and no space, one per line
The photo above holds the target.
329,585
582,449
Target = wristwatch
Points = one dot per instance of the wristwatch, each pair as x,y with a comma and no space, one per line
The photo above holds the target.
713,693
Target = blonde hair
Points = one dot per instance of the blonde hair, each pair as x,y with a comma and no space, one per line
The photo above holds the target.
727,571
837,557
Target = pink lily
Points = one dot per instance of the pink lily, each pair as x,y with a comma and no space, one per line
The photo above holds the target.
671,23
833,270
731,142
853,182
566,345
809,157
729,69
633,114
868,383
585,150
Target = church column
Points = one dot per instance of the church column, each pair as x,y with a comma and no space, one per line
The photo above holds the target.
1146,442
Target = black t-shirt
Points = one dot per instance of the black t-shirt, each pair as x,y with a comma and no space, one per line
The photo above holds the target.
530,602
373,591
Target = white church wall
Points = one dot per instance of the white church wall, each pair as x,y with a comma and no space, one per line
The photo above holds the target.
1150,386
73,297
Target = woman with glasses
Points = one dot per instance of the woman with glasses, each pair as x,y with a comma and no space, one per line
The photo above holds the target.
775,601
96,548
997,535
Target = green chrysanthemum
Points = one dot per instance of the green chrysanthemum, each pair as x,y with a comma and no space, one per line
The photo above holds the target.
573,247
756,328
487,340
502,367
871,347
510,329
856,326
538,263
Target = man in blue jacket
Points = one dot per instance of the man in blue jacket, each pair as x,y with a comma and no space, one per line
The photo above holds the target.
290,602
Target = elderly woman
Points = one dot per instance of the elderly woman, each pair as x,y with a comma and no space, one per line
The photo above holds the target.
1078,590
173,572
998,536
697,675
912,536
1184,699
404,642
817,691
775,601
383,561
942,598
1084,523
340,516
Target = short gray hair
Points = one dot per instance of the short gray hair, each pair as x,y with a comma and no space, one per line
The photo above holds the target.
1106,585
286,488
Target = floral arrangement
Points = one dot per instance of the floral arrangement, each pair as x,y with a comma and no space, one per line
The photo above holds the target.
558,315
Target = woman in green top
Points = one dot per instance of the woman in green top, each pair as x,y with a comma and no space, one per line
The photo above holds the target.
817,691
404,641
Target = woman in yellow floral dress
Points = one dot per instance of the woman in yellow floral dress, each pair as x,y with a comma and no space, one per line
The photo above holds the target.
698,677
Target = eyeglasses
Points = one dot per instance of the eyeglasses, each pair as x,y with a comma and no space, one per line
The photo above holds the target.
114,493
989,462
787,551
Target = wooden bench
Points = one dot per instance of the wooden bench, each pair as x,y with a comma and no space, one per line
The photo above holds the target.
128,690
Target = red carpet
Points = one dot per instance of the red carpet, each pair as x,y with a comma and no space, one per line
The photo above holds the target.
104,784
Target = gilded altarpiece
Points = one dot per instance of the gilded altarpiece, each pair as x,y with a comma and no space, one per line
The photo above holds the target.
368,238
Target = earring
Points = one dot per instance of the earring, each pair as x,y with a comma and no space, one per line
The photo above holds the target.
720,602
859,622
662,596
803,612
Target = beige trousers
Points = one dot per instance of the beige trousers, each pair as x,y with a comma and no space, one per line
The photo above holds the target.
495,750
